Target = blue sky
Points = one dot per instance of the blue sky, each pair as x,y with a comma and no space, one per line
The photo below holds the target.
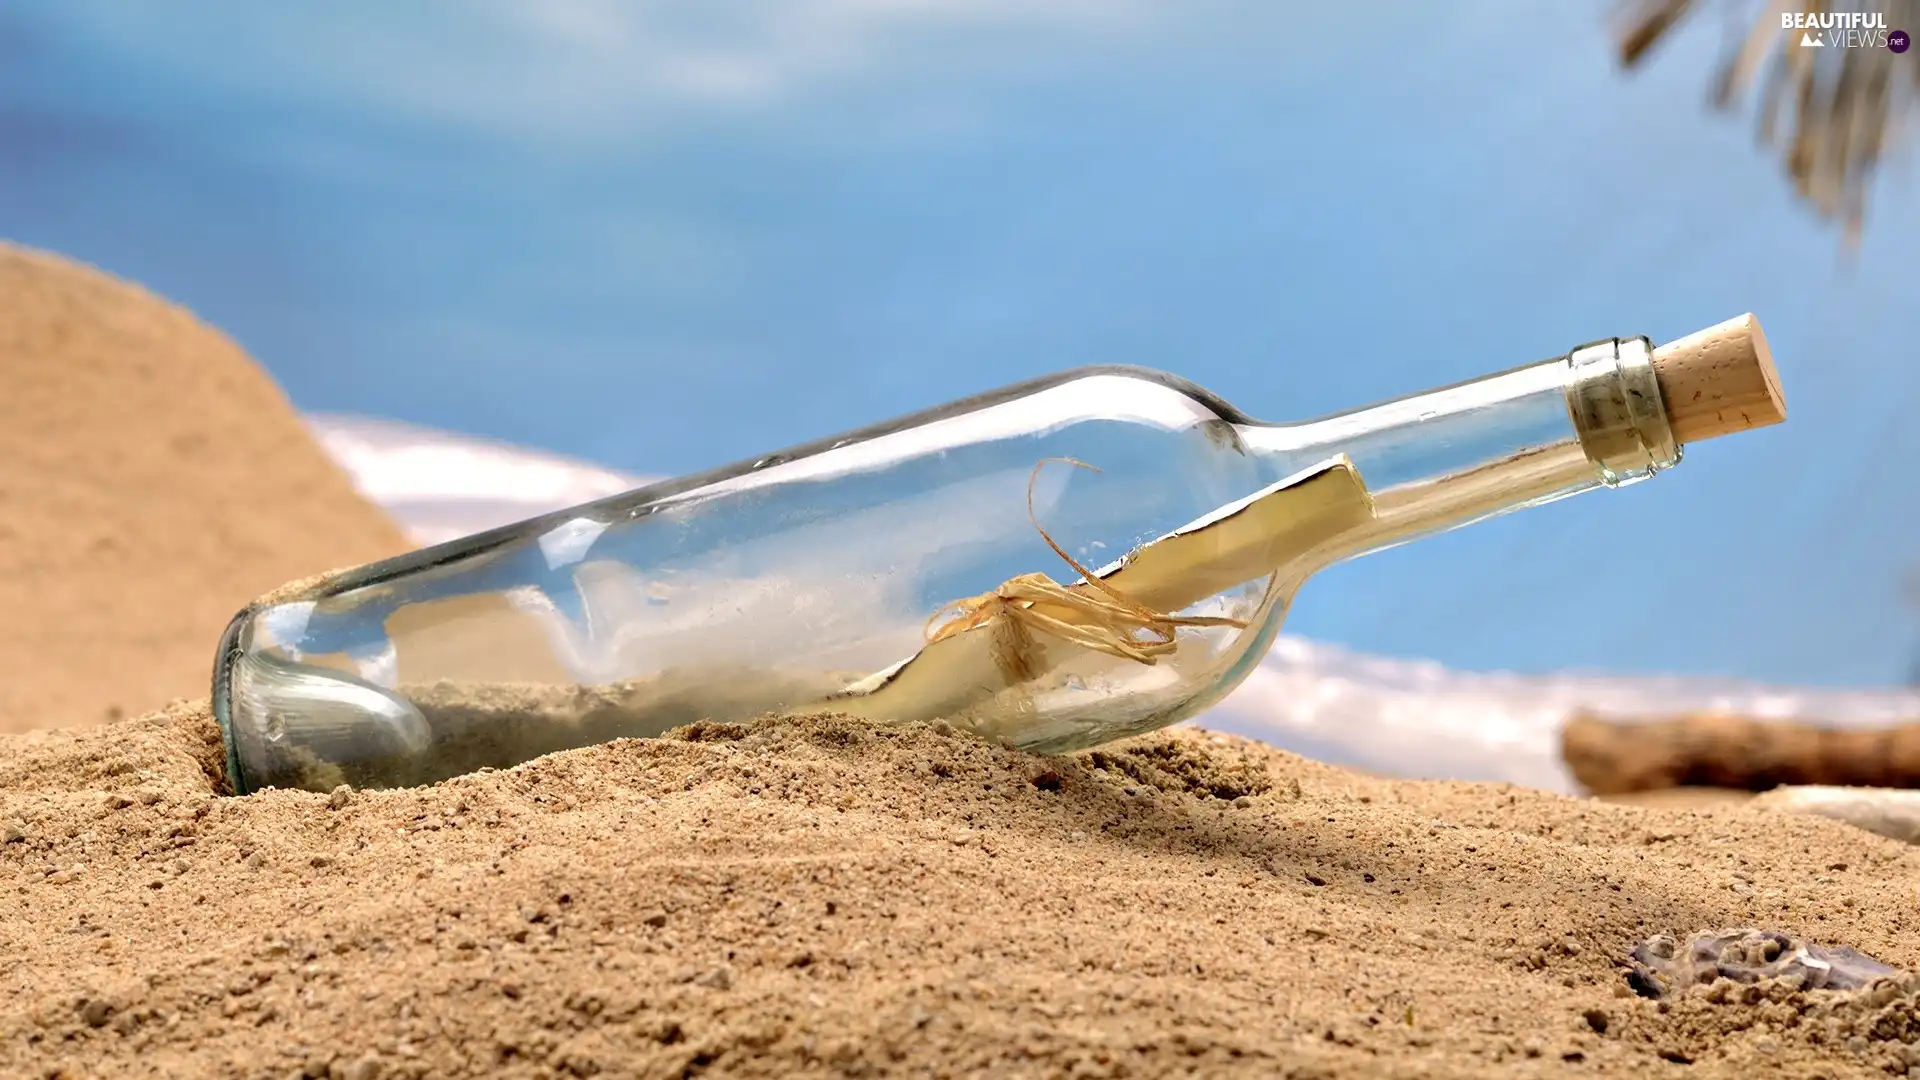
666,236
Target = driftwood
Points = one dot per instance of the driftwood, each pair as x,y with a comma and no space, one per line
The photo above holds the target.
1615,757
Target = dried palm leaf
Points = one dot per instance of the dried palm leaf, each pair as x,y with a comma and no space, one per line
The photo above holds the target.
1832,114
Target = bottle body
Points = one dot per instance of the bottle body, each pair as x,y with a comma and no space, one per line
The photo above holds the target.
779,584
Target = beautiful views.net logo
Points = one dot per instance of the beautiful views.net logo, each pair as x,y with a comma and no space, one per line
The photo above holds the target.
1845,30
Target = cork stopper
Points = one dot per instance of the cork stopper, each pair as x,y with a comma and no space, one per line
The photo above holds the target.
1719,381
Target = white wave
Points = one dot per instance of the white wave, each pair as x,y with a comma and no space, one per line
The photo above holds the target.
1395,716
441,486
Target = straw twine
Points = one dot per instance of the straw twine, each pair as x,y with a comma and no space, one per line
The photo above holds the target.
1105,620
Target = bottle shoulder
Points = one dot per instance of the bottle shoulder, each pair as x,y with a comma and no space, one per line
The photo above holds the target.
1098,393
1141,383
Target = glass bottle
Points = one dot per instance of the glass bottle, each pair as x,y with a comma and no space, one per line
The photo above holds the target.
1053,565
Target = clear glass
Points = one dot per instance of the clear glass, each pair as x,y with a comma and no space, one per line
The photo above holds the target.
770,585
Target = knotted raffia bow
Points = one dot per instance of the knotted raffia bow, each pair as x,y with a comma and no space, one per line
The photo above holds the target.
1094,615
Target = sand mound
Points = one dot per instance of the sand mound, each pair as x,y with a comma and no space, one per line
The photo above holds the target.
817,898
152,481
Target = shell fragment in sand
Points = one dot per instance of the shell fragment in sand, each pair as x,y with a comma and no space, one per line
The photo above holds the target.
1291,523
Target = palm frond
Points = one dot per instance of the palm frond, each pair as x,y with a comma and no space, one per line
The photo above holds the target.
1831,114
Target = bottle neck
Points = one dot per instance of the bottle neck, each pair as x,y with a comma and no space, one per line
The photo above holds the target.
1450,457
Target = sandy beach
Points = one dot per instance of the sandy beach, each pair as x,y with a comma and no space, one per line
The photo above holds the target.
820,898
798,896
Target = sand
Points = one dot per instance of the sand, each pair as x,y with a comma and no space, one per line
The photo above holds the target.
822,898
792,897
153,479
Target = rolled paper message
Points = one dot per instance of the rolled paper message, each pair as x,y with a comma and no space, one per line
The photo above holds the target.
1029,626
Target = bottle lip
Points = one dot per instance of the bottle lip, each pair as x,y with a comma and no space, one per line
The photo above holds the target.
1619,415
